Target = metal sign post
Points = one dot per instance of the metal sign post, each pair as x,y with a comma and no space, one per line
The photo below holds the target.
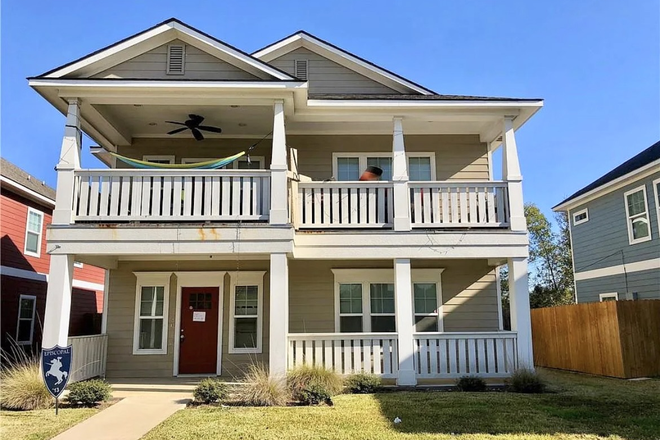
55,369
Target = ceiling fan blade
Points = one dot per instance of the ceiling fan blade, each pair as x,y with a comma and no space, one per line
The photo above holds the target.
197,118
209,128
177,130
173,122
198,134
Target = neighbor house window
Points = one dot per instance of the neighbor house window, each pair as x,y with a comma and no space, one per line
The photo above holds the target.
27,306
78,264
639,229
35,223
581,216
246,312
349,166
609,296
656,190
151,311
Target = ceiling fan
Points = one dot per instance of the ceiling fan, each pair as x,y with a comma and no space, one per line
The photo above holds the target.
192,124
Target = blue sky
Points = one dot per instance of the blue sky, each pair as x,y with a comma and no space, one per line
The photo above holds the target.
596,64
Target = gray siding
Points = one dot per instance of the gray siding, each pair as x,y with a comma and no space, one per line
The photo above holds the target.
326,76
603,242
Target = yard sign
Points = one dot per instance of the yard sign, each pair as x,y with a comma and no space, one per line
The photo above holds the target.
56,367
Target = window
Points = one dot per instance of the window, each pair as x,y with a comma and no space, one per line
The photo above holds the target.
656,190
301,69
639,229
350,308
427,300
246,312
581,216
382,307
27,306
151,310
609,297
419,168
176,55
35,223
349,166
159,158
255,163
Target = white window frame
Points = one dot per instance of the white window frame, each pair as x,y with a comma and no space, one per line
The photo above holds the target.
19,319
151,279
27,232
584,220
152,157
183,59
362,158
78,264
655,184
631,239
429,276
604,296
247,278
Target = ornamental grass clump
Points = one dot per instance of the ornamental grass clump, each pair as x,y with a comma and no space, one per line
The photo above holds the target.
21,385
525,380
210,390
259,388
304,376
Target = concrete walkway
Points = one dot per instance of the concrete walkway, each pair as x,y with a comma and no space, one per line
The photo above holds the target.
143,407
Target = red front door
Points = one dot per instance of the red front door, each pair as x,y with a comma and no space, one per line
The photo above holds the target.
198,348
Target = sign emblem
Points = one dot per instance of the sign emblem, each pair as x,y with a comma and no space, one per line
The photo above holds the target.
56,367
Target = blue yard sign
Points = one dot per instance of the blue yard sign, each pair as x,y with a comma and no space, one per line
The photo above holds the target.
56,367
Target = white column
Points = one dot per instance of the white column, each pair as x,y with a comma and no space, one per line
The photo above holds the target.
58,301
511,173
278,168
279,314
69,161
400,179
521,321
404,321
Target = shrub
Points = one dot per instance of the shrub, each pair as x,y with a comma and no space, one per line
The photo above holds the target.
304,376
525,380
89,392
362,383
315,394
210,390
21,385
261,389
471,383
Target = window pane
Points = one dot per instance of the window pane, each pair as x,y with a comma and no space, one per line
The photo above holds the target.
26,308
350,298
247,300
350,324
32,242
146,300
383,324
426,323
245,333
160,296
24,329
425,298
640,227
382,298
635,203
419,168
151,334
384,163
253,165
34,222
348,168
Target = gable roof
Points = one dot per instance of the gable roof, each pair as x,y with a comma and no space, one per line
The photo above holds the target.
160,34
26,184
646,157
340,56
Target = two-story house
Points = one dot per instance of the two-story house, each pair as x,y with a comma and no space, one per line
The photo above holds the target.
26,206
615,232
288,257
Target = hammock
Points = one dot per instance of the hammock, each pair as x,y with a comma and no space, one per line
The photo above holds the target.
206,165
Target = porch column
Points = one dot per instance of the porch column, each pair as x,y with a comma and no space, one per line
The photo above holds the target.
404,321
278,186
511,173
279,314
58,301
68,163
521,321
400,179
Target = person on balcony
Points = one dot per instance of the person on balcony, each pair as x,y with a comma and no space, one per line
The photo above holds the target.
371,173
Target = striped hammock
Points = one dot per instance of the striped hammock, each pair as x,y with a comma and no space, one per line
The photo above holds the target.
206,165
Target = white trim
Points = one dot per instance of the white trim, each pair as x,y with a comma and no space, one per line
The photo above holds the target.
656,193
498,287
510,106
246,278
631,239
22,273
570,237
164,84
580,212
28,192
151,279
619,269
18,318
362,158
198,279
78,264
604,296
27,231
106,290
153,157
86,285
429,276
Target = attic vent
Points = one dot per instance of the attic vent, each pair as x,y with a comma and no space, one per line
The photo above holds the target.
176,54
301,69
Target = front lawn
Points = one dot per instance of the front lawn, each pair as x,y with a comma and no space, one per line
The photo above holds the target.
40,424
580,407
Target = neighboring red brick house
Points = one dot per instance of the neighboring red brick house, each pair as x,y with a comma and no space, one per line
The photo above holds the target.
25,210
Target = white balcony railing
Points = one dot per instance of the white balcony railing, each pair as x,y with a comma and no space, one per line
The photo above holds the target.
89,356
346,353
452,355
171,195
459,204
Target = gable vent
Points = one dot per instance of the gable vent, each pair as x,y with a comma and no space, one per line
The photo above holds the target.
176,54
301,69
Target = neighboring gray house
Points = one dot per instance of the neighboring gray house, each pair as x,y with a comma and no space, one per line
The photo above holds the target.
615,232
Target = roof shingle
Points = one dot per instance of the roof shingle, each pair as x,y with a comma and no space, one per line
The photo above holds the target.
23,178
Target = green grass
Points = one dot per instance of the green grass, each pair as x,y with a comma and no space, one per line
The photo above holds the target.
578,407
40,424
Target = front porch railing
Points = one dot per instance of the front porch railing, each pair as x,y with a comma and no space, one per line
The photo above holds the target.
89,356
346,353
171,195
452,355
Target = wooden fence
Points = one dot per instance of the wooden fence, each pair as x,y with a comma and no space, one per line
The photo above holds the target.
612,338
